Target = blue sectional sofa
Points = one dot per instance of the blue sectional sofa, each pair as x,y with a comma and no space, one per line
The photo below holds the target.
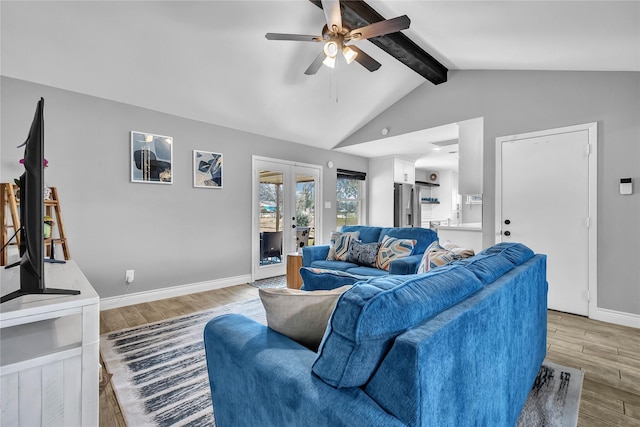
458,346
316,256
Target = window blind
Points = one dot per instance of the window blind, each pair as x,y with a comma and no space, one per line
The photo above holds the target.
347,174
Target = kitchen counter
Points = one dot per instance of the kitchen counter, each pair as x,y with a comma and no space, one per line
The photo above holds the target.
465,235
471,226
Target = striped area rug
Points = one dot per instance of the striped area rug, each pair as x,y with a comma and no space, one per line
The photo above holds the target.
160,375
159,369
271,282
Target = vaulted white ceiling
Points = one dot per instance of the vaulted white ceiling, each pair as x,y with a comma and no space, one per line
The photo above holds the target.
210,61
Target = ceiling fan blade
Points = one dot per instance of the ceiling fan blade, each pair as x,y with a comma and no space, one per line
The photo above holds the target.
365,60
380,28
332,14
293,37
316,64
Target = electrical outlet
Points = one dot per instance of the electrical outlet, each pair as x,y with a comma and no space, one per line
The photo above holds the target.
128,277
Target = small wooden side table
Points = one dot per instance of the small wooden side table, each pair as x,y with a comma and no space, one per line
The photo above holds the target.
294,262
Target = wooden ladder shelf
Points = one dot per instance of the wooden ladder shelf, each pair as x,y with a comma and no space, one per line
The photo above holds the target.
9,200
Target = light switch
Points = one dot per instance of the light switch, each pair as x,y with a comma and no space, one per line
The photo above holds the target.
327,205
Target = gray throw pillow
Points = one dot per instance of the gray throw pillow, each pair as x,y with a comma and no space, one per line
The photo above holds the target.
363,253
300,315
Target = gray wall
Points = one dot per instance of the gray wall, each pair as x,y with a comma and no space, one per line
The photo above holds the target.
169,234
514,102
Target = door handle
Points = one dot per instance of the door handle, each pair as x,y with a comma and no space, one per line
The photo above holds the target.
507,233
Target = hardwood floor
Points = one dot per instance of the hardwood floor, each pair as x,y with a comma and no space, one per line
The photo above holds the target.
608,354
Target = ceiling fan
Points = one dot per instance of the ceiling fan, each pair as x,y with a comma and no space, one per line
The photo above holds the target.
338,38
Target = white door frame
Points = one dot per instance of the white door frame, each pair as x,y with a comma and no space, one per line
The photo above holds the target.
255,214
592,131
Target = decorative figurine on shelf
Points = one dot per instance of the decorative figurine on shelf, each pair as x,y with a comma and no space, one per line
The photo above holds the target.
48,224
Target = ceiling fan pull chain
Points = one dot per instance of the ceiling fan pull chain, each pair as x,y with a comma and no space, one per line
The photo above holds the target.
335,78
333,84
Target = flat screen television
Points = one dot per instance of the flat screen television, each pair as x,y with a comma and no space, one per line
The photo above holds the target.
32,215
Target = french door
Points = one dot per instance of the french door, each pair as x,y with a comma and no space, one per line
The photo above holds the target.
286,197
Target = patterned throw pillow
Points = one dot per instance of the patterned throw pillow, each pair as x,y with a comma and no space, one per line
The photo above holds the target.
437,255
363,253
392,249
461,252
339,244
423,267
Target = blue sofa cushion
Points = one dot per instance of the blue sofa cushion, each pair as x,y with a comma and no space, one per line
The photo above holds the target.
423,236
315,279
333,265
487,267
363,253
515,252
371,314
368,272
367,234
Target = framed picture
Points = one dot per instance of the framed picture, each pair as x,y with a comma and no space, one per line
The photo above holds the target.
151,158
207,169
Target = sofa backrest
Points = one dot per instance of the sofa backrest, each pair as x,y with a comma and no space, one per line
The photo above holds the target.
369,316
485,349
423,236
367,234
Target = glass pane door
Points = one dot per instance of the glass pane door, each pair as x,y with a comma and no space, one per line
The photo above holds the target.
271,217
285,214
305,208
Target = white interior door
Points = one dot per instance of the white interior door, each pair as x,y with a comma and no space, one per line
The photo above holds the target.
285,197
543,199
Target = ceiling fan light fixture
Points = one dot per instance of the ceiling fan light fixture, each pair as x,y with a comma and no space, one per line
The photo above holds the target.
349,54
331,49
330,61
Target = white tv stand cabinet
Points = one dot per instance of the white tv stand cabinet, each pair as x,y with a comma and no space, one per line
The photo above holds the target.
49,352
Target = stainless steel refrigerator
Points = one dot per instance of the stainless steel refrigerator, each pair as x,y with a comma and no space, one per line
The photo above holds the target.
406,209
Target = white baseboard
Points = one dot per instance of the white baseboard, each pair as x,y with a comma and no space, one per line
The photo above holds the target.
617,317
174,291
602,314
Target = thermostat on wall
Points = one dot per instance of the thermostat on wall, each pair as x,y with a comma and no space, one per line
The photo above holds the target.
626,186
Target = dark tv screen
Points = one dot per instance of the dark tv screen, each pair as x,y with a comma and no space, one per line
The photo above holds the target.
32,273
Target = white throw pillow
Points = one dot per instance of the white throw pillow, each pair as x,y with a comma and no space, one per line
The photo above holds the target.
300,315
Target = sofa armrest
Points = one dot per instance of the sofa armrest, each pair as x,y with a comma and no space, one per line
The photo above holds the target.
406,265
314,253
260,377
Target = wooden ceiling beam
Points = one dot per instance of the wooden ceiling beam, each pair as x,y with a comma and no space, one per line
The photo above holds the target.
356,14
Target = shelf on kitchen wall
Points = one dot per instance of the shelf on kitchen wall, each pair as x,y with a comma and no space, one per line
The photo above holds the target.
427,184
